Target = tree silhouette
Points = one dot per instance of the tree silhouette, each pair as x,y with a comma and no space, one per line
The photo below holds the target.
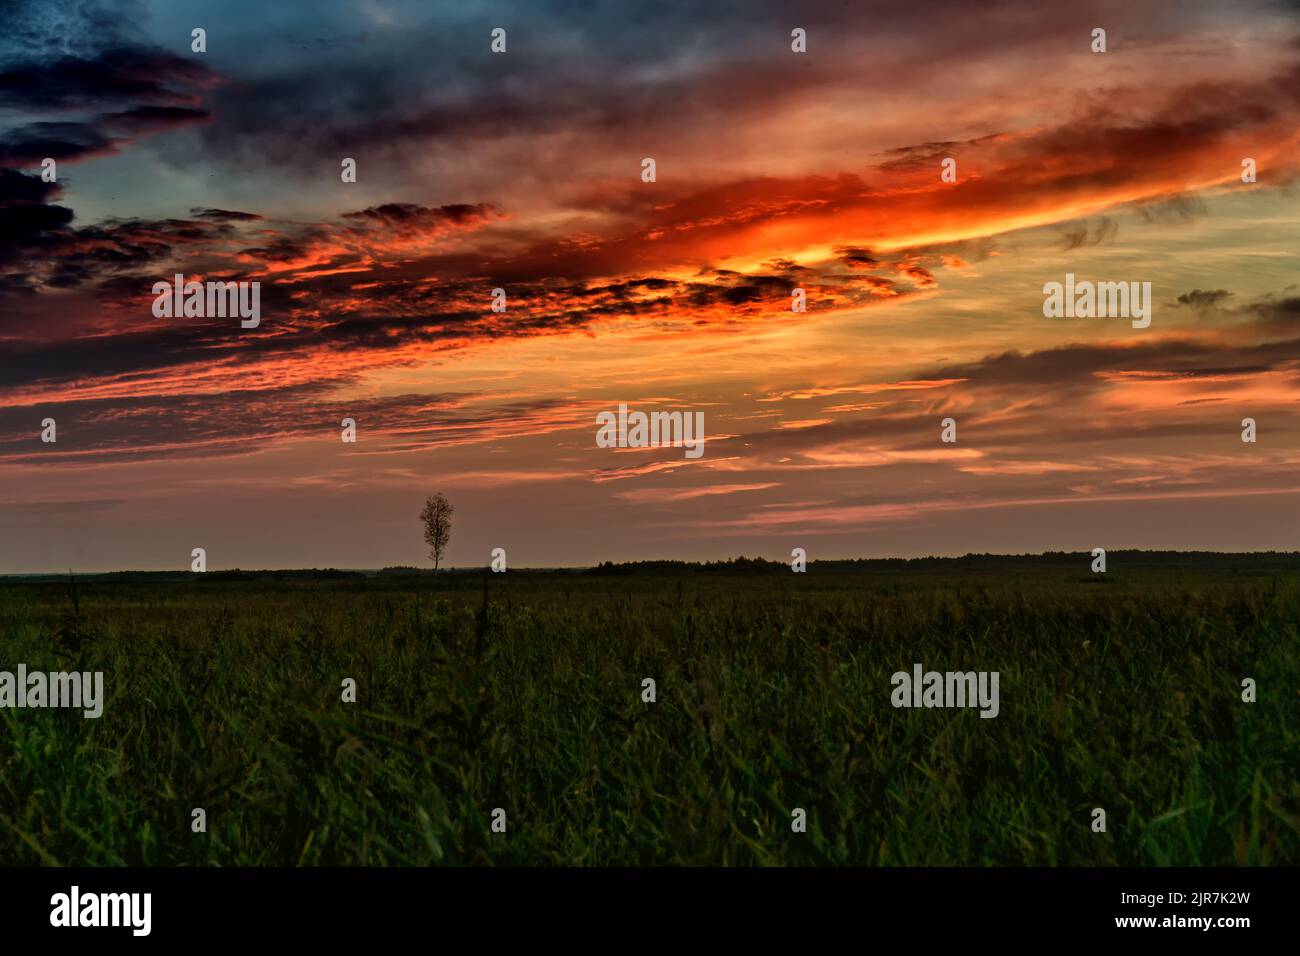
436,518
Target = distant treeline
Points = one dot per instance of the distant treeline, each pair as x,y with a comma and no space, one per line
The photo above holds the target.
235,574
1063,559
1066,560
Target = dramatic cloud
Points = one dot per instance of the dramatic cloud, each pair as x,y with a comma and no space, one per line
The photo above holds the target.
783,180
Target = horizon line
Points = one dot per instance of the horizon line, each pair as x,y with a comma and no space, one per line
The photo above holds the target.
641,561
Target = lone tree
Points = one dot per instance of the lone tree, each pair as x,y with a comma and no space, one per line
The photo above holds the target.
436,518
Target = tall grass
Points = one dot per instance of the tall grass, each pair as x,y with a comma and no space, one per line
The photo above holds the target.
773,693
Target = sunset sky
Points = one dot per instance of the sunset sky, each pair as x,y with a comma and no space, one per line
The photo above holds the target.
522,170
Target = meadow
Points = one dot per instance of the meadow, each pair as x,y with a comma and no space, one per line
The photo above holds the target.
523,691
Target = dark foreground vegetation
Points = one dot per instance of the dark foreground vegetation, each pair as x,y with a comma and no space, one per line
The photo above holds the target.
523,691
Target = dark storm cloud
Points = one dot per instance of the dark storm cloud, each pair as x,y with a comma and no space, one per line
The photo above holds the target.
28,145
223,215
1268,317
446,312
130,90
124,353
151,119
123,75
47,29
64,56
1081,365
18,187
26,220
1203,298
604,67
856,258
402,214
625,67
40,247
1277,316
21,222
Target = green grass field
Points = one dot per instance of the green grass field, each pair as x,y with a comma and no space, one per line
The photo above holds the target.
1120,691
